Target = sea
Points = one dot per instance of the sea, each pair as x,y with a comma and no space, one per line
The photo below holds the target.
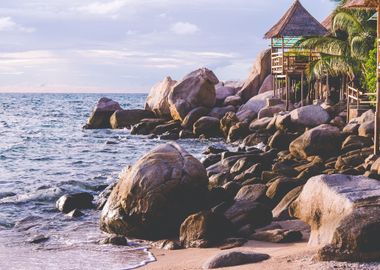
44,154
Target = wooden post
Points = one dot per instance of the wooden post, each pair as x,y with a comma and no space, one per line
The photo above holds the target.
302,89
348,103
377,119
327,86
287,93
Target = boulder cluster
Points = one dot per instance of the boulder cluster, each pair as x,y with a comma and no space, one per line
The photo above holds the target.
306,163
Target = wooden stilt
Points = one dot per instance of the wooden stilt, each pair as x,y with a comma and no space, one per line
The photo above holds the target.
302,98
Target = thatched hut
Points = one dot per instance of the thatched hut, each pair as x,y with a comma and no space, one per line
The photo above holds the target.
288,62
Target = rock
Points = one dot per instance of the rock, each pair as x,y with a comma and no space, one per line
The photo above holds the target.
368,116
250,110
309,116
278,236
215,149
252,193
68,203
220,179
237,132
344,214
260,124
261,69
366,129
169,136
230,243
75,213
128,118
204,229
323,141
281,211
223,92
100,117
170,126
158,98
281,140
252,172
246,211
220,112
234,258
232,101
211,160
281,186
167,244
267,84
103,196
208,126
255,139
282,121
351,129
146,126
227,122
193,116
195,90
270,111
116,240
154,196
353,158
186,134
354,142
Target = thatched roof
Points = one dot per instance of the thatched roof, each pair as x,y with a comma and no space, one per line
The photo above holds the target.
361,4
298,22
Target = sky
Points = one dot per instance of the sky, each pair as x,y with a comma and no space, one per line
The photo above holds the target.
129,45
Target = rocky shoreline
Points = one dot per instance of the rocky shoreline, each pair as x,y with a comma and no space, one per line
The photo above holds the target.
305,163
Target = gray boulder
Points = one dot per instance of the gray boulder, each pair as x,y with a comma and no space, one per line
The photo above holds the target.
310,116
158,98
194,90
100,117
344,214
155,195
234,258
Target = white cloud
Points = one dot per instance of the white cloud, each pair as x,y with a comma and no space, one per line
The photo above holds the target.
101,8
184,28
7,24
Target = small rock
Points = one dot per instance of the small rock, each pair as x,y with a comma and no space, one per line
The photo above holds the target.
234,258
278,236
167,245
230,243
117,240
68,203
75,213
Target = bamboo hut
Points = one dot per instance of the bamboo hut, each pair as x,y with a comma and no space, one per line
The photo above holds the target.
288,62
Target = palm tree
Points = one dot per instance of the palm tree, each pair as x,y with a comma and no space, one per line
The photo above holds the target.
345,50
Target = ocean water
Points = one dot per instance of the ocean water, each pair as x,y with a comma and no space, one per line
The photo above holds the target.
45,153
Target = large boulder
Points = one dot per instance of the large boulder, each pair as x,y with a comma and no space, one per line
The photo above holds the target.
193,116
208,126
344,214
310,116
100,117
250,110
128,118
323,140
157,100
267,84
220,112
195,90
261,69
230,119
204,229
155,195
223,92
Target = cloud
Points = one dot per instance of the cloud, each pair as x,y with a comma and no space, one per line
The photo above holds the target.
101,8
7,24
184,28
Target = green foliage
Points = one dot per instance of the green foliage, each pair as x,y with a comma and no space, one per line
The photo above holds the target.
370,71
345,51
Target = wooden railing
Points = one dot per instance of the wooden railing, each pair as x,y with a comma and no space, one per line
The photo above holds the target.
356,99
